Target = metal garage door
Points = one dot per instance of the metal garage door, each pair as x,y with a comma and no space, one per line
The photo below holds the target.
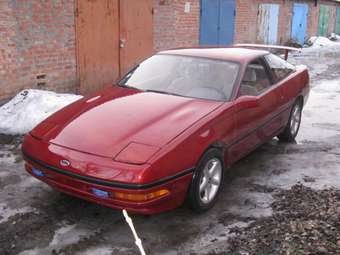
267,23
111,35
323,20
337,24
217,22
97,33
299,22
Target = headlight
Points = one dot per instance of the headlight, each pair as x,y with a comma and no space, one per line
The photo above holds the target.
136,153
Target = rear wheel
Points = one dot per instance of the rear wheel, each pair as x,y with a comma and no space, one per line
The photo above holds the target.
207,181
290,132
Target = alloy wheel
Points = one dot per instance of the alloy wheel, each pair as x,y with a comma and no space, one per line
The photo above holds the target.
295,119
210,180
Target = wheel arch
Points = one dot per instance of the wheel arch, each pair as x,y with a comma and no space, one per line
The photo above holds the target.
219,145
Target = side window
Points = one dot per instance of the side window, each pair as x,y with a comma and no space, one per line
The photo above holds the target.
279,67
255,80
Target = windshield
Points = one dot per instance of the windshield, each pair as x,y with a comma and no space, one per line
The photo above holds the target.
184,76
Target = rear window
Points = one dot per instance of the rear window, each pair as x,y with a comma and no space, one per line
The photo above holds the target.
279,66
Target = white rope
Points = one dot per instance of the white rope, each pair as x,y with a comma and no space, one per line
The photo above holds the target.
138,241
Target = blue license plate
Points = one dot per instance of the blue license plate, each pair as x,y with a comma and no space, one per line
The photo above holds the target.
100,193
37,172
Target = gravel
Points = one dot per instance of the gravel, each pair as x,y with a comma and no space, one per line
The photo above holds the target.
305,221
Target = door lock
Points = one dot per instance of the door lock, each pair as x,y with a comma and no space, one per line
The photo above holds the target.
122,43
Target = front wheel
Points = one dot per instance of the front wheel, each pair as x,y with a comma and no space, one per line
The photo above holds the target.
207,181
293,125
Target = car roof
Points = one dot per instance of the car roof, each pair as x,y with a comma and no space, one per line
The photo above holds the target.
235,54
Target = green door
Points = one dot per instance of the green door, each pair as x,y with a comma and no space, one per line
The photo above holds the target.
337,22
323,20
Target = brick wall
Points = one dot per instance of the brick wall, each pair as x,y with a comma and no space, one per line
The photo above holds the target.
164,24
37,40
245,21
173,27
313,17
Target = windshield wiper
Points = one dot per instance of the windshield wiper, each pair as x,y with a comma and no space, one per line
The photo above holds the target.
162,92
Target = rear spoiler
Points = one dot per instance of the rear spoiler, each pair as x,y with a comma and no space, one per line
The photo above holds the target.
265,46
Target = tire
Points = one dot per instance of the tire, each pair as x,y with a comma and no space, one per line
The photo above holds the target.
291,130
207,181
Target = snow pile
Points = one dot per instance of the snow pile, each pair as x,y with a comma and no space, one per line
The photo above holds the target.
29,108
321,54
320,41
334,37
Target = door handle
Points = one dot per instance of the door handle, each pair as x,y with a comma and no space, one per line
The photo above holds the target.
122,43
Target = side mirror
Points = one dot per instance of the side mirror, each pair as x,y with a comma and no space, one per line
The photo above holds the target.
247,102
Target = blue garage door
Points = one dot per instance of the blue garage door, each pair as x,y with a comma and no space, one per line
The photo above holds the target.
217,22
299,23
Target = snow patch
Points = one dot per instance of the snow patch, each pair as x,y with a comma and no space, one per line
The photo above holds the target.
29,108
321,112
30,252
63,237
4,174
6,158
250,204
214,239
29,181
6,212
67,235
103,250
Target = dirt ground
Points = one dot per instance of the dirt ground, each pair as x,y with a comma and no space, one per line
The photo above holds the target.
281,199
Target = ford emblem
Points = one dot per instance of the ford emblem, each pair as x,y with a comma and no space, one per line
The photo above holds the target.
64,162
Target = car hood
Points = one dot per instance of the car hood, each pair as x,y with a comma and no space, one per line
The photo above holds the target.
107,122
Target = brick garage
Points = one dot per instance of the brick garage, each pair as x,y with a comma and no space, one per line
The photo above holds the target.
38,48
247,11
182,29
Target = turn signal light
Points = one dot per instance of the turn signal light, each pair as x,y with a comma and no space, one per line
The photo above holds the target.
140,197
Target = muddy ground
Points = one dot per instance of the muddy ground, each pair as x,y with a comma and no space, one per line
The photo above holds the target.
281,199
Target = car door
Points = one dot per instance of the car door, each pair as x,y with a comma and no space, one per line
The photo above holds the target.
283,77
255,109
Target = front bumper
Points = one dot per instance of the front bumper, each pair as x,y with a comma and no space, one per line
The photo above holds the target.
82,186
86,172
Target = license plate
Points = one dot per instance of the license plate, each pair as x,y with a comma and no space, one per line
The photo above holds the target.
37,172
100,193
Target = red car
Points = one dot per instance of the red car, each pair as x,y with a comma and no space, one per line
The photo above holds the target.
169,129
